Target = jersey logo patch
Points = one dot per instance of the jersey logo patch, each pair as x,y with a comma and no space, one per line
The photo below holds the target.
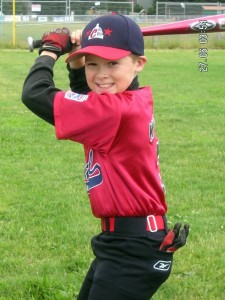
93,173
75,97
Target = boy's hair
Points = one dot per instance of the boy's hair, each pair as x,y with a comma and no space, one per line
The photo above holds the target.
111,37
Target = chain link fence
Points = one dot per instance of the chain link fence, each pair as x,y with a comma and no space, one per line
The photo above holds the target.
175,11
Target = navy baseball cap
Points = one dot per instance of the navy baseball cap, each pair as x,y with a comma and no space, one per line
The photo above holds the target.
110,37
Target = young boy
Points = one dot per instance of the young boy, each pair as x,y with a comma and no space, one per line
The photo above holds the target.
112,117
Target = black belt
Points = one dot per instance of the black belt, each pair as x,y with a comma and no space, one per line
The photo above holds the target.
134,225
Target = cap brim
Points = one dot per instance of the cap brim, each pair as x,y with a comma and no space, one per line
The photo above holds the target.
101,51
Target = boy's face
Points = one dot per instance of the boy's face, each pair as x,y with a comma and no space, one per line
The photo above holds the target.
112,76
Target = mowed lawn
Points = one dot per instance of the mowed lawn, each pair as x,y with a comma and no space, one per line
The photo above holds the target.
45,218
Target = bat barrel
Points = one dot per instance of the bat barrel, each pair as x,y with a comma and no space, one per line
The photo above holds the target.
201,24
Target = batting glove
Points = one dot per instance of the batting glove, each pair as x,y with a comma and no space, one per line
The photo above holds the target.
175,238
56,41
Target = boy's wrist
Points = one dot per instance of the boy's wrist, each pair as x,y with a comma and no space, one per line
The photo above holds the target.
48,53
77,63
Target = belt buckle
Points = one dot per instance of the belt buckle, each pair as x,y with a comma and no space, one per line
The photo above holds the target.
151,218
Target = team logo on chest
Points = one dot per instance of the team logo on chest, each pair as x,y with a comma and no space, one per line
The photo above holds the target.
152,130
93,173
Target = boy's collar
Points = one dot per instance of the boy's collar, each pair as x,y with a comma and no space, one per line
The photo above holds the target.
134,84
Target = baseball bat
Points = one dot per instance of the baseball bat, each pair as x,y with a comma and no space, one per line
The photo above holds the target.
202,24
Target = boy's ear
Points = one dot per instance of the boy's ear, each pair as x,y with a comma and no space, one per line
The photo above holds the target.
142,60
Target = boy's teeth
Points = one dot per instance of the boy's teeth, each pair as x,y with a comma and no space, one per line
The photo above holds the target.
104,85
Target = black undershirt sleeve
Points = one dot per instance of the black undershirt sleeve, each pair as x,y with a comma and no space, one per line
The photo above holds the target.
77,79
39,90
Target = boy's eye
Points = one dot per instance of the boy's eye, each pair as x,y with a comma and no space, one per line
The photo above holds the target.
90,64
113,63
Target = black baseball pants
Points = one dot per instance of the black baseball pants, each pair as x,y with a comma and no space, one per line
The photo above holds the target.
126,267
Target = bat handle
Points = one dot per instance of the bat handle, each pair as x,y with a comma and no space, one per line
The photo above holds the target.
33,44
37,43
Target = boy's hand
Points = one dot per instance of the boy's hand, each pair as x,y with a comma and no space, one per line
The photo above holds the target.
76,45
56,41
75,38
175,238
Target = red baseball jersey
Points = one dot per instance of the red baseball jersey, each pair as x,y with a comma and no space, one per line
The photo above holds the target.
121,149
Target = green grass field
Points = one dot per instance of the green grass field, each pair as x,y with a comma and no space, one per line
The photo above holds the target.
45,219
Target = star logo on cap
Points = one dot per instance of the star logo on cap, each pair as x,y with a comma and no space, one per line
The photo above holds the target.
88,32
107,31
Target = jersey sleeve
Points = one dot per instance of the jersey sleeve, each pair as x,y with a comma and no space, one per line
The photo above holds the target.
91,119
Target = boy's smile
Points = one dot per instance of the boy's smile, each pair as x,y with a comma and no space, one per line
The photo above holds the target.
112,76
